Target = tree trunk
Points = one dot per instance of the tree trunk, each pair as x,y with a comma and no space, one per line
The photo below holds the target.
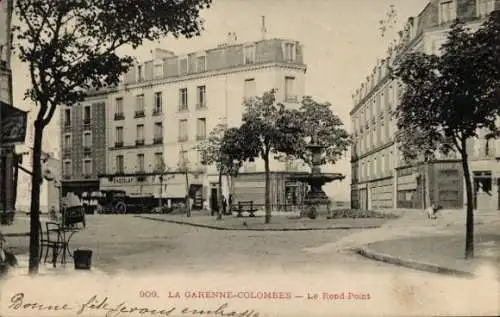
35,200
267,198
219,197
469,226
231,193
16,177
188,204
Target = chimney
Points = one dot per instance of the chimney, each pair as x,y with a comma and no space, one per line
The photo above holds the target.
231,38
263,28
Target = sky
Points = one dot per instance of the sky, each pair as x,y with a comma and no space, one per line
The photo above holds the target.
341,40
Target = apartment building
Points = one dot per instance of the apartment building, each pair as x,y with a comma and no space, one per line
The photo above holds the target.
165,106
380,177
83,145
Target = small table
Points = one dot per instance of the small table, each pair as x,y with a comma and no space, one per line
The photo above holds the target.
67,233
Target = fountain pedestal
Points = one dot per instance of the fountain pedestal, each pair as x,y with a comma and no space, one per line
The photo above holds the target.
316,200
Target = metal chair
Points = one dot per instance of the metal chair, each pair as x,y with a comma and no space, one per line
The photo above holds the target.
53,239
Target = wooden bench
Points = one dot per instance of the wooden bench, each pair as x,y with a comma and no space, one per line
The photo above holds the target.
246,206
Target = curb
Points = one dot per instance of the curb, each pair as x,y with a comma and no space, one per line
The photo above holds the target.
254,229
433,268
16,234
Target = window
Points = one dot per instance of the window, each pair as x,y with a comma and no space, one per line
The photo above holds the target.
119,136
249,89
201,128
183,99
289,52
489,149
119,108
249,54
158,133
140,73
447,11
158,103
140,134
159,161
183,157
119,164
139,104
201,63
67,168
87,167
289,89
87,139
183,66
158,71
86,114
201,94
67,117
140,163
378,98
67,141
485,7
183,136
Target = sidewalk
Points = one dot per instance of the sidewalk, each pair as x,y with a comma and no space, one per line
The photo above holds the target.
278,222
20,226
439,254
431,245
46,269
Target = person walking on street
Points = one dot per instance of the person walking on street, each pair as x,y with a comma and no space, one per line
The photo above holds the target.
224,205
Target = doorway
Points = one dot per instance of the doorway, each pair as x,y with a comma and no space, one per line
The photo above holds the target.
214,206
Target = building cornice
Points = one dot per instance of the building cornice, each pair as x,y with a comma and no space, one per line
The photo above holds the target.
211,74
375,150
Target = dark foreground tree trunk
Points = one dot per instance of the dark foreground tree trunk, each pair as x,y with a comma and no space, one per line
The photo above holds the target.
35,200
469,225
267,198
219,196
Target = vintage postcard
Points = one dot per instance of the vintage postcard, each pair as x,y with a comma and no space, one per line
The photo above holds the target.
249,158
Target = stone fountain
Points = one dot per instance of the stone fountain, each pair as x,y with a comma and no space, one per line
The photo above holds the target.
316,198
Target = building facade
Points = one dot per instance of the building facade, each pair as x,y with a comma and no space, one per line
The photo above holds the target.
83,145
164,107
381,179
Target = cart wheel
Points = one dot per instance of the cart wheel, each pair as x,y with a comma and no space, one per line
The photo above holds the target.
121,208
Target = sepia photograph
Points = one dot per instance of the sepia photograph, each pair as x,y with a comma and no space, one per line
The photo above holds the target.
249,158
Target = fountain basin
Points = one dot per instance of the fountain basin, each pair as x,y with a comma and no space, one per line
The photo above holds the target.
318,179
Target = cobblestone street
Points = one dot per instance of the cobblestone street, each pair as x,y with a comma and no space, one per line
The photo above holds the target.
128,243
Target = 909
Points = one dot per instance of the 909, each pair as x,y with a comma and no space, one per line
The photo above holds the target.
148,294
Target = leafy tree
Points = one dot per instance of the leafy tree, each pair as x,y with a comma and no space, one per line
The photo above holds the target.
71,46
222,148
449,104
268,127
316,120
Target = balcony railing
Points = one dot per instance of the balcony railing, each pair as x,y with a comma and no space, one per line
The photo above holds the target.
182,138
120,172
139,142
182,108
119,116
119,144
87,149
86,121
200,137
157,112
67,124
291,98
158,140
139,114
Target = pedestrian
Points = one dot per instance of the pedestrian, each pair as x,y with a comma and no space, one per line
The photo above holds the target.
224,205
